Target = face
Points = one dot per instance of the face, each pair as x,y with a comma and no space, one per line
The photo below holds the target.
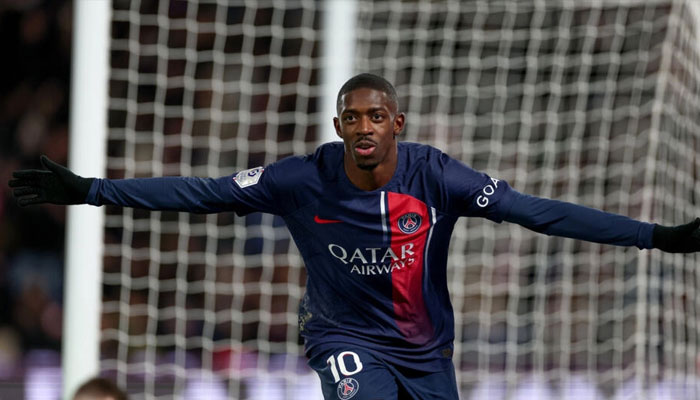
368,122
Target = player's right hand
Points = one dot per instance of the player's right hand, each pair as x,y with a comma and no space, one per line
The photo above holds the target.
56,185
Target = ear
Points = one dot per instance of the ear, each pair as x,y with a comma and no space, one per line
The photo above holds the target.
336,124
399,123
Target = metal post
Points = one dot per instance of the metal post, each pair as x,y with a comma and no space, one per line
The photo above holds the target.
338,38
87,153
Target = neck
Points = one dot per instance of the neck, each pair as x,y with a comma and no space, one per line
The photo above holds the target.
370,179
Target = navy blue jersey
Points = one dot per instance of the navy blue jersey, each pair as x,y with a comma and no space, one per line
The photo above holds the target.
376,260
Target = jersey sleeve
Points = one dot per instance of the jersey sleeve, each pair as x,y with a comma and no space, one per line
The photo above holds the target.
559,218
257,189
471,193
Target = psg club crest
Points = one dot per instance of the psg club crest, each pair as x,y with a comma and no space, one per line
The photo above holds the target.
347,388
409,223
248,177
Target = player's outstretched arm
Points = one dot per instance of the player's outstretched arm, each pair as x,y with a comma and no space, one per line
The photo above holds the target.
558,218
56,185
678,239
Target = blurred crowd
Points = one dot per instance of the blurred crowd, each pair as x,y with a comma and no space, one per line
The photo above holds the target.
35,38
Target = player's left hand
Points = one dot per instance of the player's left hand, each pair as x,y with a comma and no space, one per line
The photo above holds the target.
678,239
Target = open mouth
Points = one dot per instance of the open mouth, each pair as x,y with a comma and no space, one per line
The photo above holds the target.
365,147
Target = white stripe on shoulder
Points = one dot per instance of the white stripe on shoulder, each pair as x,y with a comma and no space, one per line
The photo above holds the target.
382,207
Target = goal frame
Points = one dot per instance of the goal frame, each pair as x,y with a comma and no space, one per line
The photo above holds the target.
88,157
85,224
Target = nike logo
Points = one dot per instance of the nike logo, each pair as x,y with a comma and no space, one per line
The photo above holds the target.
325,221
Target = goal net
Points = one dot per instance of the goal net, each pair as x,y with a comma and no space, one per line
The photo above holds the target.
206,305
593,102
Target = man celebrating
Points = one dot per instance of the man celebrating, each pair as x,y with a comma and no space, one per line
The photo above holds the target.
372,218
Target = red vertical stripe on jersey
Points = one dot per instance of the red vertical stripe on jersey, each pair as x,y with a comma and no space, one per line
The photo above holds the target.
410,312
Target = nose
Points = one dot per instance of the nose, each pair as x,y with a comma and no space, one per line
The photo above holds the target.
365,126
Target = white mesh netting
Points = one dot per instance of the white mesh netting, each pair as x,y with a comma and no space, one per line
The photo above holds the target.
195,302
593,102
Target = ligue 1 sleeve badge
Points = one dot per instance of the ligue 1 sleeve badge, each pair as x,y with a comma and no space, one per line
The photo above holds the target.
409,223
347,388
248,177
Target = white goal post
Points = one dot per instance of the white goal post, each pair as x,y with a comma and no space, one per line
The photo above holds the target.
594,102
85,224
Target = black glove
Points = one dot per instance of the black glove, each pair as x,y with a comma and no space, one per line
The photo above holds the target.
678,239
58,185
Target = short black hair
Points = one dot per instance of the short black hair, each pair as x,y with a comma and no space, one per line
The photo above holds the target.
101,387
369,81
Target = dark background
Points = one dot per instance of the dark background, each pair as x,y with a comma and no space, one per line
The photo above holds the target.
35,38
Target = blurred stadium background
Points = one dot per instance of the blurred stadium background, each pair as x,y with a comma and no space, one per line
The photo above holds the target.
592,101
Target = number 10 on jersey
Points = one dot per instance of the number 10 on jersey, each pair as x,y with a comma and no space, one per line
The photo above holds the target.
339,364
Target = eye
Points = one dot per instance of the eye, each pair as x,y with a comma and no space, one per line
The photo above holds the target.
377,117
349,118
